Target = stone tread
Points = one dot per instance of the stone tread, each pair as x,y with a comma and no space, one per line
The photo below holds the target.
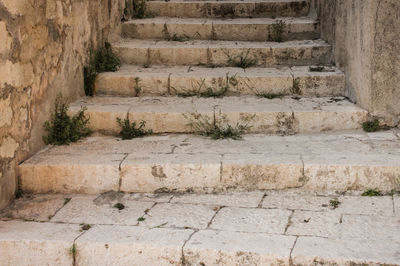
229,8
206,52
165,80
271,116
239,29
230,228
313,162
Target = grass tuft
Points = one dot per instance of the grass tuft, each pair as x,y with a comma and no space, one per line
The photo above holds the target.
63,129
243,60
131,130
371,126
278,30
371,193
334,203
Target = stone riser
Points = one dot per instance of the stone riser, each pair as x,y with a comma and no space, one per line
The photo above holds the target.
228,9
232,30
278,116
253,81
295,53
186,163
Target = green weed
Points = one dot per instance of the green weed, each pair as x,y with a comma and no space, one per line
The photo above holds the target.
371,126
277,32
131,130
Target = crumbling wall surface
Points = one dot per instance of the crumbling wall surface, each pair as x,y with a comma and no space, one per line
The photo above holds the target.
43,47
365,35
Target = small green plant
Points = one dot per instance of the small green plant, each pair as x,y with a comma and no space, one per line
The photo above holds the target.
277,32
371,126
131,130
243,60
209,92
371,193
63,129
296,86
137,86
217,127
119,206
269,95
85,227
141,219
73,250
334,203
19,193
101,60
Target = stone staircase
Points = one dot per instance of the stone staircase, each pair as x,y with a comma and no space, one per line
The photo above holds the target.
308,139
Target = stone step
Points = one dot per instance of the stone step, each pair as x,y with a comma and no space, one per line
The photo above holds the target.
312,162
269,116
223,53
256,29
164,80
256,228
228,9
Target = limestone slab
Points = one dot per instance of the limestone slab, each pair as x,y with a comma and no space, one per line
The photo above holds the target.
366,205
396,201
128,245
310,223
311,250
153,52
34,207
208,247
30,243
234,199
221,9
295,202
239,29
251,220
86,210
179,216
170,172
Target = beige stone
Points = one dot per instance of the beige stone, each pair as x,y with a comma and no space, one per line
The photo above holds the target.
295,202
6,112
29,243
234,199
309,250
237,248
179,216
382,206
5,37
35,207
125,245
251,220
85,209
8,147
396,203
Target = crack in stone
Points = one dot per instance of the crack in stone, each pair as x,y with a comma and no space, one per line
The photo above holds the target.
120,172
74,250
183,260
289,223
221,168
262,200
215,214
291,251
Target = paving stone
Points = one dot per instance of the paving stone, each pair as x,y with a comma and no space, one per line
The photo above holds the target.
85,209
210,247
130,245
366,205
396,200
310,223
179,216
31,243
371,227
322,251
234,199
251,220
296,202
34,207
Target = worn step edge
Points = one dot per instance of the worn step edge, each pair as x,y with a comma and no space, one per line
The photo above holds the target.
226,9
213,29
276,116
324,163
22,243
158,80
218,53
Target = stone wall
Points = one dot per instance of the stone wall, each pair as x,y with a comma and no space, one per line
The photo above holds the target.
43,47
365,35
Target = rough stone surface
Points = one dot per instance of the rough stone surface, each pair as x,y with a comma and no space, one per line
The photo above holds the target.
237,248
197,232
251,220
179,163
28,243
366,205
124,245
179,216
44,46
275,116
